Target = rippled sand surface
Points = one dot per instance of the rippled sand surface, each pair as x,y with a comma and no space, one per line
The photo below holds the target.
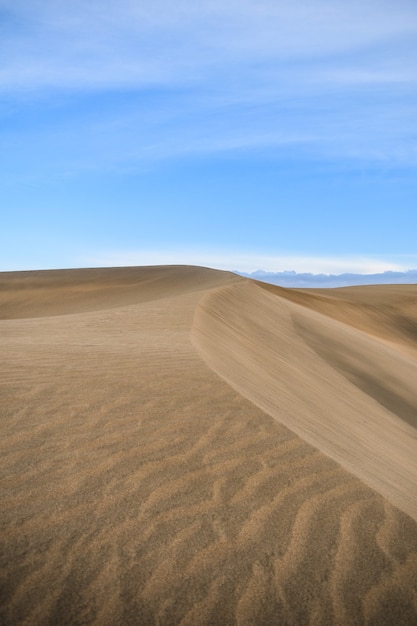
184,446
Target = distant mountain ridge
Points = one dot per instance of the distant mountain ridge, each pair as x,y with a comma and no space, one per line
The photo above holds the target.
294,279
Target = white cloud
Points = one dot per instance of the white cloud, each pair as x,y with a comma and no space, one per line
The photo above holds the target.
227,260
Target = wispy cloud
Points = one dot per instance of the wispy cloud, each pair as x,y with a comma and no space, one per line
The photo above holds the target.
103,44
285,269
337,77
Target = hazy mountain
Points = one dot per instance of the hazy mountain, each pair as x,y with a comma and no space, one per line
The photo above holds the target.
293,279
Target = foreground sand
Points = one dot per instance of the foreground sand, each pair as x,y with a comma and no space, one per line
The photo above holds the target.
183,446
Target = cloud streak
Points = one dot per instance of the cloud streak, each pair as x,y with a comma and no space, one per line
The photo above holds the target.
103,45
336,79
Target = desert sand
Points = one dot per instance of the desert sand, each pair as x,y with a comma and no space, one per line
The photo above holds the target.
181,445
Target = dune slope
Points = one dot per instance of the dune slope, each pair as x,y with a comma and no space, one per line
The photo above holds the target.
388,312
139,487
59,292
341,389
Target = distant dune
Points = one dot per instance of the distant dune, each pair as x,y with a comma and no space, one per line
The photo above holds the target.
181,445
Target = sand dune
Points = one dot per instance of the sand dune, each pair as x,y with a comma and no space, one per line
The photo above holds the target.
140,487
58,292
340,389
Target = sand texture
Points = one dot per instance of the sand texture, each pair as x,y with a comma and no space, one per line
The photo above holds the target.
183,446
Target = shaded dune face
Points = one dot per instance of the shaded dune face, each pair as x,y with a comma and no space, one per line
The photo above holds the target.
139,487
388,312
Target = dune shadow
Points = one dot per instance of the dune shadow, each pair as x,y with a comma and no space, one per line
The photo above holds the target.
378,378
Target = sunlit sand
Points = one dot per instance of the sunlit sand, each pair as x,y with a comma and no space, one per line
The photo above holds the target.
184,446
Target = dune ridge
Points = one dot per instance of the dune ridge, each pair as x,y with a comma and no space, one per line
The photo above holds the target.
138,487
340,389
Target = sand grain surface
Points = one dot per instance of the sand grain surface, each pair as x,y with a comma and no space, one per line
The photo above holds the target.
169,455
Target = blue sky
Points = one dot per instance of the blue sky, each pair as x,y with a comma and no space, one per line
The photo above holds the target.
242,135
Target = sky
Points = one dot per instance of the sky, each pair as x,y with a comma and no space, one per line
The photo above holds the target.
272,134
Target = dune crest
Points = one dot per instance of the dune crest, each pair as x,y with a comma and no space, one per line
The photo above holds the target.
340,389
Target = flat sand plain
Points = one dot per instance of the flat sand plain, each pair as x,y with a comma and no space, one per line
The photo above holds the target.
184,446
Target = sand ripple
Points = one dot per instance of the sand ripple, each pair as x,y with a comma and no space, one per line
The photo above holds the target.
140,488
